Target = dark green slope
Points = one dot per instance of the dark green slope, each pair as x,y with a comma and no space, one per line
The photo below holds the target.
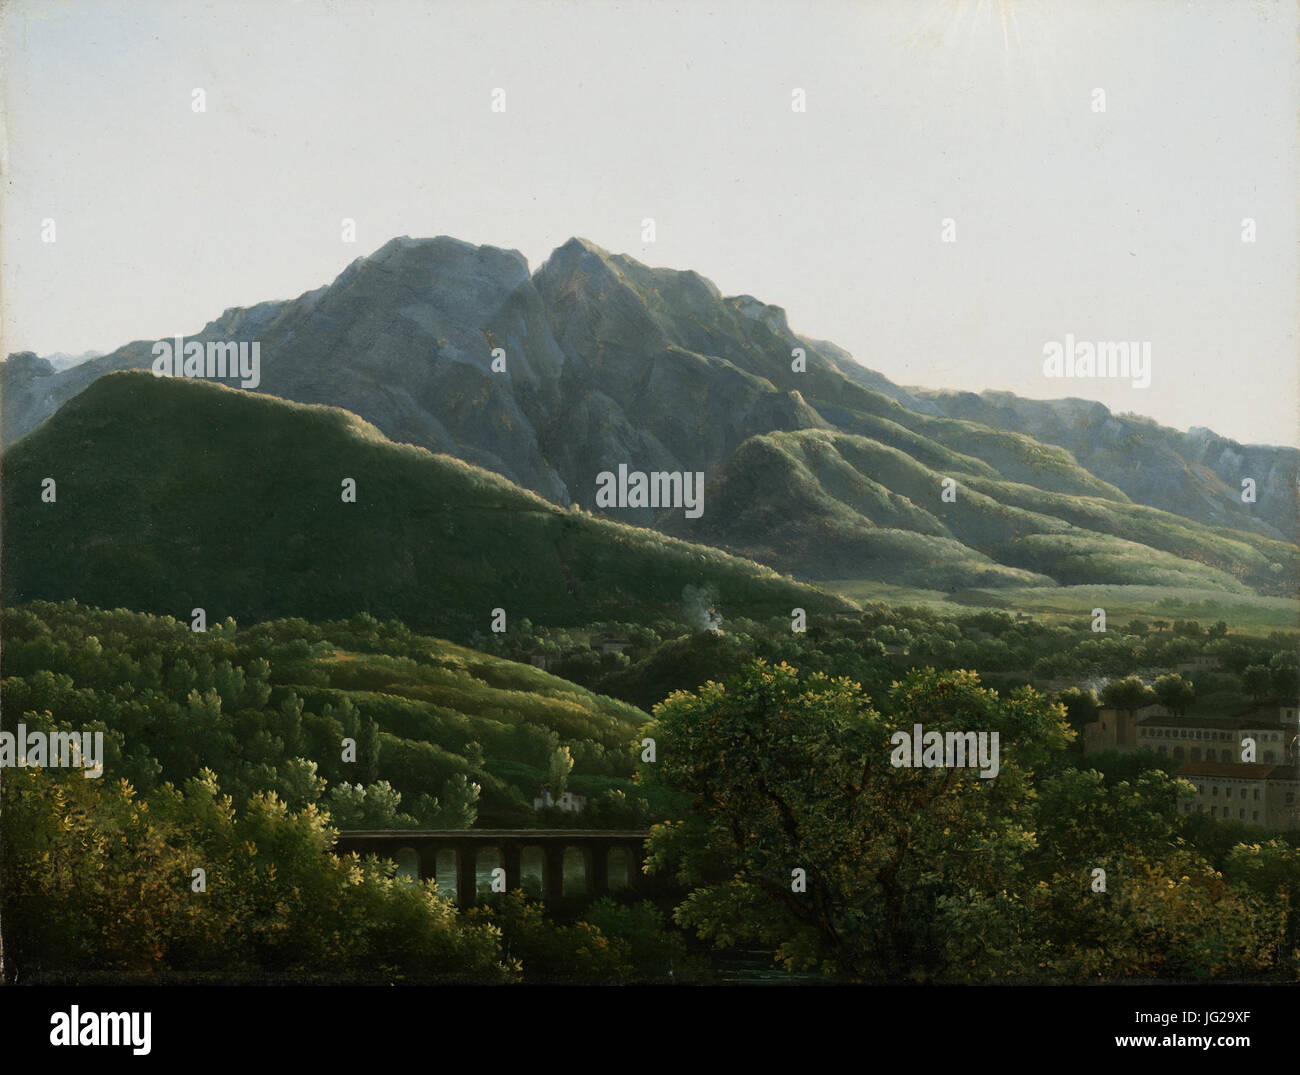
177,494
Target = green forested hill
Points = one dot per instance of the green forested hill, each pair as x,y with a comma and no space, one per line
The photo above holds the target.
173,495
268,708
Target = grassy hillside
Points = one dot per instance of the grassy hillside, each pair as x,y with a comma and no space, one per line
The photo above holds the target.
175,494
1074,604
832,505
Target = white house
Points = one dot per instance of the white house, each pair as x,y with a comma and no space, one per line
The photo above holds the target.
572,802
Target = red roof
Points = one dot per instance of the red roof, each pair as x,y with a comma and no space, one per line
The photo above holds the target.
1245,771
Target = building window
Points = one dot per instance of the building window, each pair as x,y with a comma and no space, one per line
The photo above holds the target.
1216,790
1254,815
1257,793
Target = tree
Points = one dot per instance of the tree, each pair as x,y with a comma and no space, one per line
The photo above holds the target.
1273,870
96,880
1286,675
1166,915
1081,706
550,952
1174,693
561,765
458,804
1257,681
1083,811
474,754
352,806
1129,693
792,773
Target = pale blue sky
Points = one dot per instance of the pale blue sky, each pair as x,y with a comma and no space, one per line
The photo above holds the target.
1123,225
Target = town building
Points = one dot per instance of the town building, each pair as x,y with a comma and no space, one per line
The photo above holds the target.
571,802
1117,729
1259,794
1221,739
1274,733
1212,753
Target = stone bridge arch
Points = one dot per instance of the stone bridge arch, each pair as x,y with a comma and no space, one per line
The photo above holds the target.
461,860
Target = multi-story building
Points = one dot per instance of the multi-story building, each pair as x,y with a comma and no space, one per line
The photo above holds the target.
1221,739
1218,739
1260,794
1212,751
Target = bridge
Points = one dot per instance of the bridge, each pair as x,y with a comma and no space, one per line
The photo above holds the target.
560,864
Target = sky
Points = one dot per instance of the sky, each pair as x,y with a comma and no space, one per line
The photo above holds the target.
1122,224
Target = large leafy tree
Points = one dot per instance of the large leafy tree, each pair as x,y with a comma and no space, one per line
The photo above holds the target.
794,773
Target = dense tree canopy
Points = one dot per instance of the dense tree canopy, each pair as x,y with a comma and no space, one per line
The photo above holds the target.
937,872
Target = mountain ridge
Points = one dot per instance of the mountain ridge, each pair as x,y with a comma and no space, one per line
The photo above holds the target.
611,361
